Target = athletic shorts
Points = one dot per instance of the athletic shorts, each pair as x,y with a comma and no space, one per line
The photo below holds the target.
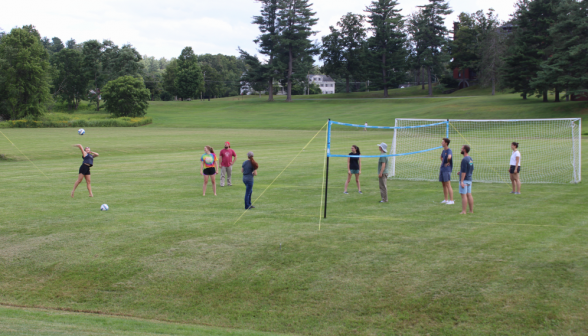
84,169
467,189
512,169
354,171
444,176
209,171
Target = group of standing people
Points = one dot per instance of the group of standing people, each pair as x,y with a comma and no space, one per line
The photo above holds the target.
466,171
464,174
209,169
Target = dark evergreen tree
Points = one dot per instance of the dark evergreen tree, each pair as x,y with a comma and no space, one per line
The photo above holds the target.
268,43
295,19
434,38
388,45
343,49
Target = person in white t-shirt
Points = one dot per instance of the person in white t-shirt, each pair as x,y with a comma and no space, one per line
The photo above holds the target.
365,127
515,168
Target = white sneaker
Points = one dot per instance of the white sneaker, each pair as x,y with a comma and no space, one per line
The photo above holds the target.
450,202
444,201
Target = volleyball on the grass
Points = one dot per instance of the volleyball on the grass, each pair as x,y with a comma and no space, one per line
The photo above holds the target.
104,207
81,131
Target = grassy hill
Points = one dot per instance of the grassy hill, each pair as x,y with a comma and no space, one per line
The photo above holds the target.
164,252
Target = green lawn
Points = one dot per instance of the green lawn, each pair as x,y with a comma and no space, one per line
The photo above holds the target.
164,252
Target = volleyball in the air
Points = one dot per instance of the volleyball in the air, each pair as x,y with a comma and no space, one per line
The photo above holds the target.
81,131
104,207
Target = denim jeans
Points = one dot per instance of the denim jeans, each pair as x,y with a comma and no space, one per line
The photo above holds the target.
248,192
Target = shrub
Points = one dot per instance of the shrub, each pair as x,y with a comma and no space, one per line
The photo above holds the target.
113,122
126,97
166,96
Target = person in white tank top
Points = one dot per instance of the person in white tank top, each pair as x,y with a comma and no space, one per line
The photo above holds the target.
515,168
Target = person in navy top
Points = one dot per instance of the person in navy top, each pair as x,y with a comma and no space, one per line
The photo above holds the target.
445,171
465,180
84,171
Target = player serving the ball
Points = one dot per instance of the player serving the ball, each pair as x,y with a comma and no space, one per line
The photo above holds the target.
88,157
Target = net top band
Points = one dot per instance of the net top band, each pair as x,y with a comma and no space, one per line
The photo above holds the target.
387,127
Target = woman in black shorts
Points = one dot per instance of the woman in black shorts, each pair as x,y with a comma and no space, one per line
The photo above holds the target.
515,168
88,157
208,168
353,168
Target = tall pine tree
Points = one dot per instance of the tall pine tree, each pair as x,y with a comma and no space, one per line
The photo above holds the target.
268,43
189,81
295,19
387,46
434,36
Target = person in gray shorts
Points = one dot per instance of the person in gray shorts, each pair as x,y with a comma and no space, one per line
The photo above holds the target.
465,180
353,168
445,171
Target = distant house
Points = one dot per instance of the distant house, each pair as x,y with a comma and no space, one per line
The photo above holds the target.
326,83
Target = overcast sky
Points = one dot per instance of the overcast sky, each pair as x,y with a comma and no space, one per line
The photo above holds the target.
164,28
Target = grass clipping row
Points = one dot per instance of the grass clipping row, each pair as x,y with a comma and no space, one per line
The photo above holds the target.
47,122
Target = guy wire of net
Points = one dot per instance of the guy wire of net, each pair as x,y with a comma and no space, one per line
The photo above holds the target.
550,150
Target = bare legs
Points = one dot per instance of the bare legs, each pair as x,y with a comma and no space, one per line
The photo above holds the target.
465,200
79,180
356,181
516,182
447,191
206,182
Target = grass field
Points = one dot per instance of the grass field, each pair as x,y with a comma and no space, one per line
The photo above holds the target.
163,252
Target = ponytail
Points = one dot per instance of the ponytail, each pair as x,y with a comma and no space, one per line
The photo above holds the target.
253,163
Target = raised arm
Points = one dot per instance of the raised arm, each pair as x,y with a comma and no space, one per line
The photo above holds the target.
81,149
94,154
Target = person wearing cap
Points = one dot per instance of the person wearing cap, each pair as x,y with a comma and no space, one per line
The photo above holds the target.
382,176
226,163
249,170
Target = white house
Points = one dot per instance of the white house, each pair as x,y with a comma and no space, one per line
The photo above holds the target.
326,83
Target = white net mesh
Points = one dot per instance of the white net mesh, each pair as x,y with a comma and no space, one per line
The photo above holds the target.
550,149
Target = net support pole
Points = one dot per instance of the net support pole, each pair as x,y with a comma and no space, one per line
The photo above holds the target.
327,168
447,129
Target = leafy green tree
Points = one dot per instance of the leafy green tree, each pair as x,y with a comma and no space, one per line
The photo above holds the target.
70,80
295,18
433,36
343,50
189,81
126,96
153,70
492,48
268,43
417,47
24,74
387,46
213,83
169,77
230,69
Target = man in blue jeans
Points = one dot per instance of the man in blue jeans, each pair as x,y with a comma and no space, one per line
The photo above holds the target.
465,180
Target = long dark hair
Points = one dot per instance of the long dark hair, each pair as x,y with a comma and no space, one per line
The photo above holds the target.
516,144
357,149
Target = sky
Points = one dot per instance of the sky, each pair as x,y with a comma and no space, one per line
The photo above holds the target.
164,28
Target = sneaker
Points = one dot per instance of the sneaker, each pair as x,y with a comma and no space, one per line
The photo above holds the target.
512,192
383,201
252,207
518,193
360,192
345,192
444,201
450,202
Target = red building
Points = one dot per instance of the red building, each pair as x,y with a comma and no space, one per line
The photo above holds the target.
464,76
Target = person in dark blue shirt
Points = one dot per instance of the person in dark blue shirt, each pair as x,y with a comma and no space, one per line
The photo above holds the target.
445,171
249,170
465,180
84,171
